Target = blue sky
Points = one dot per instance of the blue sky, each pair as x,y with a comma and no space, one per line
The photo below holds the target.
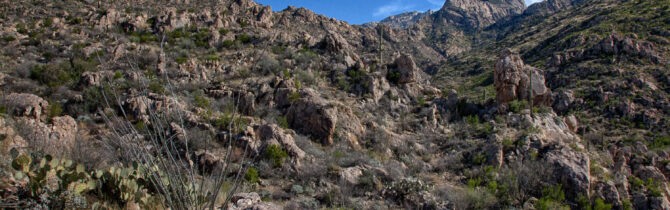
360,11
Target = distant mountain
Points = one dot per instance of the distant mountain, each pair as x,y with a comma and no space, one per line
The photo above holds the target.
405,20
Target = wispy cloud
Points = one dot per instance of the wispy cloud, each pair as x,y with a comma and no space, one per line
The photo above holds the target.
392,8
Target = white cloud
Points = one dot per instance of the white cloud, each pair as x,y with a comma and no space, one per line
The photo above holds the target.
392,8
529,2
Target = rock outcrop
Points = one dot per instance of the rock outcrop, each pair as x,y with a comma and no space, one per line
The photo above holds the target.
512,81
403,70
273,134
25,105
313,115
55,137
247,201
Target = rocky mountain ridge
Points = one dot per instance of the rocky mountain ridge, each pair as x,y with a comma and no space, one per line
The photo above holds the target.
436,116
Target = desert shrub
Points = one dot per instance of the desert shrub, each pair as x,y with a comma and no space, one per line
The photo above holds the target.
293,97
517,105
393,76
47,22
156,87
252,175
368,181
282,122
553,198
278,50
598,204
181,60
268,65
227,43
55,110
243,38
275,154
305,77
661,142
223,31
9,38
243,23
201,101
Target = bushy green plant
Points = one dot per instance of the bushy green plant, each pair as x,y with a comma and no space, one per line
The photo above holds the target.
227,43
293,97
282,122
9,38
55,110
252,175
517,105
201,101
156,88
553,198
244,38
275,154
393,76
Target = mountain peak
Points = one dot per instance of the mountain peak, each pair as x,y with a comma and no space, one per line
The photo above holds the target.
478,13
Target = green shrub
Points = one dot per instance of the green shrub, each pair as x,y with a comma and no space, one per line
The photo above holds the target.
156,87
472,120
508,143
660,142
244,38
275,154
223,31
293,97
282,122
393,76
181,60
201,101
252,175
421,101
516,106
55,110
9,38
243,23
228,43
277,50
553,198
47,22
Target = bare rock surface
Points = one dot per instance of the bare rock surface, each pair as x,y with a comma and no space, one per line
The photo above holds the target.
512,81
25,104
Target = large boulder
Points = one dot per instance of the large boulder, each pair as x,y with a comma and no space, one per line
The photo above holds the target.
512,81
403,70
54,137
313,115
573,170
250,201
335,43
25,105
273,133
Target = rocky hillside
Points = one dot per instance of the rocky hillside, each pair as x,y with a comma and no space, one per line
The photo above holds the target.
480,105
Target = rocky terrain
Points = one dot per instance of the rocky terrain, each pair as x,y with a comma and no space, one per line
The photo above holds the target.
480,105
